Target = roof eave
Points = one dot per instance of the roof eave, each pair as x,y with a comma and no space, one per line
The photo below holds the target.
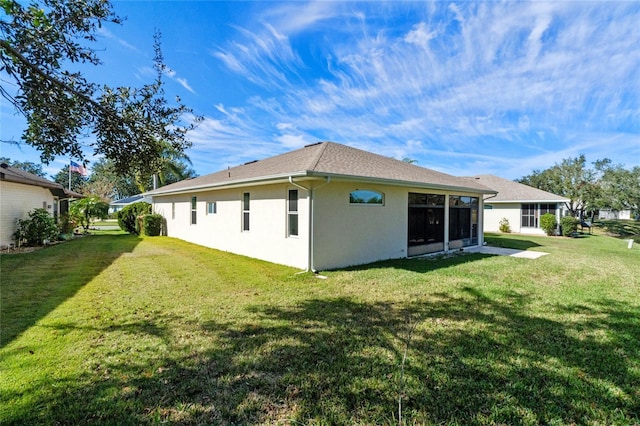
262,180
399,182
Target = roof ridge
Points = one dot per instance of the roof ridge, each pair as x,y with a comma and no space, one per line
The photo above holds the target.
323,148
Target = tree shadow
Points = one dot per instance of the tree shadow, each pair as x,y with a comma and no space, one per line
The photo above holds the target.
512,243
472,359
34,284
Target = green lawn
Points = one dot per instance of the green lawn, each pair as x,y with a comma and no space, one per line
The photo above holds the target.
115,329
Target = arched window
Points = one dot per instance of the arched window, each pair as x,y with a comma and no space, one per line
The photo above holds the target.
366,197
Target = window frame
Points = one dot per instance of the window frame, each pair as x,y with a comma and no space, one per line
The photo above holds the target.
194,210
292,213
366,203
210,210
246,207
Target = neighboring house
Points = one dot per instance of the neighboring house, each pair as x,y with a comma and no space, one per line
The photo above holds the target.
520,204
611,214
116,206
325,206
21,192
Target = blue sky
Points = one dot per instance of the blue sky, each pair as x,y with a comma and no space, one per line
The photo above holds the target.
464,88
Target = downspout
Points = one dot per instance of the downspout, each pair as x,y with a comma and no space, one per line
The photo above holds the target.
310,265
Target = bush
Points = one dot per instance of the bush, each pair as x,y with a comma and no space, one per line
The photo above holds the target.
548,223
38,229
504,225
127,217
569,225
152,224
66,224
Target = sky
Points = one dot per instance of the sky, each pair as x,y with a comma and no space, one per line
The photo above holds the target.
465,88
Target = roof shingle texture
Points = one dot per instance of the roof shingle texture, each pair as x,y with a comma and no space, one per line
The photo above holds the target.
329,158
509,190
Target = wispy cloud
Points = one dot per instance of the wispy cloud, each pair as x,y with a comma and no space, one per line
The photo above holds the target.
479,79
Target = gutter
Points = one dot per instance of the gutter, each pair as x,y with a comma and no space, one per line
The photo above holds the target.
310,190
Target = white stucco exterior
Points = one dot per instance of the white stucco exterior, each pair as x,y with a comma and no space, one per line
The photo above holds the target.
267,237
513,213
342,234
16,201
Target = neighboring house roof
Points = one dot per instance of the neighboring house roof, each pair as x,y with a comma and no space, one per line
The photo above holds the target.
510,191
129,200
327,159
12,174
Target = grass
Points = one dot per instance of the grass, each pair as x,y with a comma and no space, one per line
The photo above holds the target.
621,228
114,329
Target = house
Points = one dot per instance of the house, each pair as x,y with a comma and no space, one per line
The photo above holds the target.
116,206
21,192
325,206
612,214
520,204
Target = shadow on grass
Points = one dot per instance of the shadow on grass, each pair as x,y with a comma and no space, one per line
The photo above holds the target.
625,229
35,283
472,359
512,243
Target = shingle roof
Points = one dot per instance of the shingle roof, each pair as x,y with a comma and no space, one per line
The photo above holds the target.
328,159
12,174
509,191
129,200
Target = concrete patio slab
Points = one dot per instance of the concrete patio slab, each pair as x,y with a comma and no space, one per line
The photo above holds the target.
500,251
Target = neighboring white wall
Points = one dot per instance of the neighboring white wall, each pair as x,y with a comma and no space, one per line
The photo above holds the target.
267,238
608,214
16,201
492,217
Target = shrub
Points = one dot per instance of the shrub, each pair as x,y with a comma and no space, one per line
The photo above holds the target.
38,229
569,225
87,209
548,223
152,224
66,224
127,217
504,225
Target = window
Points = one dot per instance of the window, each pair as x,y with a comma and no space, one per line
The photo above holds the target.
547,208
463,219
426,219
488,206
211,207
529,216
365,196
292,212
245,211
194,211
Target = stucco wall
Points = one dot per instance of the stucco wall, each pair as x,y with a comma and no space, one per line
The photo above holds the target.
267,238
16,201
344,234
510,211
348,234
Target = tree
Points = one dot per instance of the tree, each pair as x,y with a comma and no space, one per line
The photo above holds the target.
27,166
87,209
41,42
620,187
106,182
571,179
62,177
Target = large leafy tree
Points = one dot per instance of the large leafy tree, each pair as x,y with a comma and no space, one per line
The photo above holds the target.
571,179
41,43
620,187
